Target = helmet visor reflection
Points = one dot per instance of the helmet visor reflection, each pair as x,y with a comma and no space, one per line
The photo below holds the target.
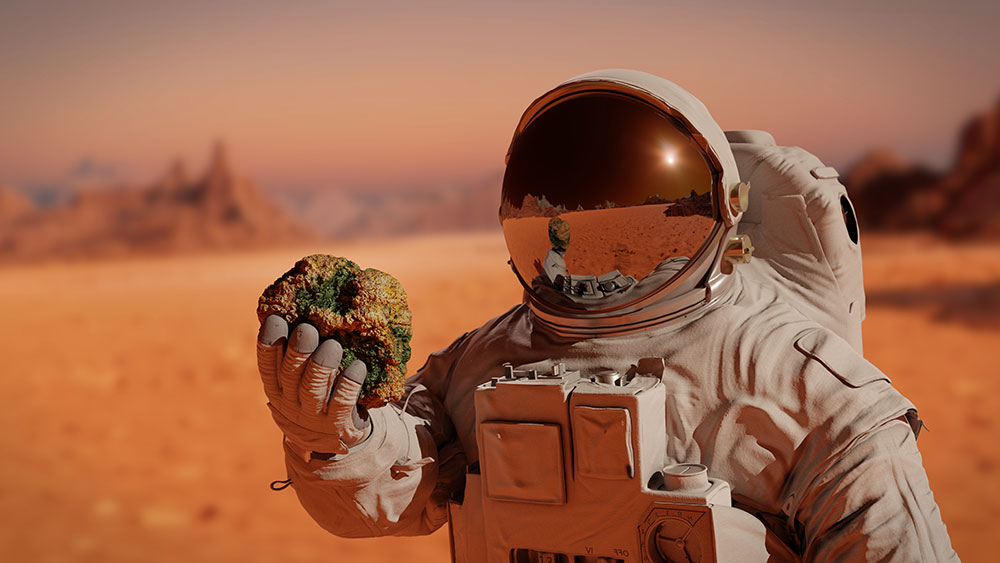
602,183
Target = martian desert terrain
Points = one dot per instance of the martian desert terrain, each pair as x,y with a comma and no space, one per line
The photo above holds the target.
134,427
609,239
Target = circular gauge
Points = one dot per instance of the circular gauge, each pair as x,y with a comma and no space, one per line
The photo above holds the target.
675,543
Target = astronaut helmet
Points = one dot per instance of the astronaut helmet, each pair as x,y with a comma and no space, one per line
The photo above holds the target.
619,204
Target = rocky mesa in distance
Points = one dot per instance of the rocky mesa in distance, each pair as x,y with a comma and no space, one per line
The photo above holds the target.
891,194
219,210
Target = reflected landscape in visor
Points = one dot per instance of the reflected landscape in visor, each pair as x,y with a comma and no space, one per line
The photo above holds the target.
600,190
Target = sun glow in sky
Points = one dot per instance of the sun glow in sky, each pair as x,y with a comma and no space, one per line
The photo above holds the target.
401,94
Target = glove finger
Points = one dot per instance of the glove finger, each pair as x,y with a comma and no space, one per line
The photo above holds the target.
314,389
304,339
270,347
344,400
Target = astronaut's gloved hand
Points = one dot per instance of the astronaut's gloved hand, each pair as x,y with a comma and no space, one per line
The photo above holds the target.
312,401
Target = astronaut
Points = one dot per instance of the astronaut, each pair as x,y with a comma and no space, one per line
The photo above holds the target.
747,303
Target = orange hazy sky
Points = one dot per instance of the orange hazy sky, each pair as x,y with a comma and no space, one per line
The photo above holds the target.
415,93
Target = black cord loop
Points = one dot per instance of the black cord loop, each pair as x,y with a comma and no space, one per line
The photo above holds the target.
280,485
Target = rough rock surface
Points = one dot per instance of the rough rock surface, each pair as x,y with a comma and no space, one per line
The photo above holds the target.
364,310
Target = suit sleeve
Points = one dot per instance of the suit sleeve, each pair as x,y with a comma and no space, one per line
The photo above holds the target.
874,503
857,490
399,480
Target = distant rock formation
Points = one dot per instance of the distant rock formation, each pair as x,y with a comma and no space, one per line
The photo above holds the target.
353,213
964,202
219,210
885,191
655,199
972,188
693,204
532,206
876,163
13,205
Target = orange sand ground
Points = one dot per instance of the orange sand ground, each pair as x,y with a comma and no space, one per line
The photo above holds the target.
134,427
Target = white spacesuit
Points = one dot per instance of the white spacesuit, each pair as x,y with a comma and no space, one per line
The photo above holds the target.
650,348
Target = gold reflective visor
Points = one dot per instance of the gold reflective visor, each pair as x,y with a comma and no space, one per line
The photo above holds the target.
601,190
